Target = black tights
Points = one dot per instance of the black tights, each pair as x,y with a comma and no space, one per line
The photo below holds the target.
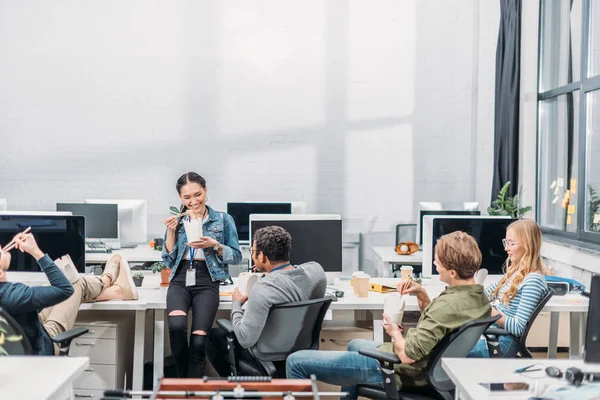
203,298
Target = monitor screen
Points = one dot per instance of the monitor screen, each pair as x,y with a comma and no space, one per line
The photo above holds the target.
240,212
592,335
313,239
55,235
488,232
133,219
423,213
101,220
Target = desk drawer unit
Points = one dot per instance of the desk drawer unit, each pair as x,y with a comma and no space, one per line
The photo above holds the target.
108,348
100,351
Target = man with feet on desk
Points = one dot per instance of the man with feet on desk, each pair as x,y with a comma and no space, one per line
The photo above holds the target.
46,311
282,283
457,258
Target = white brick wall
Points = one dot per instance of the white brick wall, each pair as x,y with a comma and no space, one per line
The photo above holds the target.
362,108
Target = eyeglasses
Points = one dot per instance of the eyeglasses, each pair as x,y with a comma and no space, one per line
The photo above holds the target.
507,243
252,251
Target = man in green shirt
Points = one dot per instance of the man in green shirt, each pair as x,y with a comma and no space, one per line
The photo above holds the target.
457,258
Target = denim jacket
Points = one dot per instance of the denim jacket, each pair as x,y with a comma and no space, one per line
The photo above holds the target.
219,226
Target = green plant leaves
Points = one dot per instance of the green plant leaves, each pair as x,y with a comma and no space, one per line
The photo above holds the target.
174,210
508,206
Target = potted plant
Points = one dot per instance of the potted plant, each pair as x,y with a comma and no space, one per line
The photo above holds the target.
510,206
165,272
138,278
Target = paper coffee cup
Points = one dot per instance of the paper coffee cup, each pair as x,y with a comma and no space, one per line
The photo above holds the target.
361,285
354,276
406,271
393,306
193,230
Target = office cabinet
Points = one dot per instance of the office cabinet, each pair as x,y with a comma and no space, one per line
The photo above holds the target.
109,346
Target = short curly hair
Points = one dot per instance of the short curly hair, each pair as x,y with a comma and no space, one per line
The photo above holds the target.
275,243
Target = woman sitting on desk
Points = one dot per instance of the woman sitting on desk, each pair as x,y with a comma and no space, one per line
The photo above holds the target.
520,290
198,267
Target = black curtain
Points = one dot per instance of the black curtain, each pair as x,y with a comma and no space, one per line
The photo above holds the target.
506,109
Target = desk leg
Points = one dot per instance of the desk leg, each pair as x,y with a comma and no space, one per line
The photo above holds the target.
576,334
159,341
138,350
553,337
378,326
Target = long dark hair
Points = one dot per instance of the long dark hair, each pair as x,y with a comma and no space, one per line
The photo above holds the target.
190,177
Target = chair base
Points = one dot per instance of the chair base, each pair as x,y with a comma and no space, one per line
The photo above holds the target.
376,392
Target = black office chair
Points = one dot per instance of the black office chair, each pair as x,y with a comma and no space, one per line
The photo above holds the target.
457,344
17,344
492,334
290,327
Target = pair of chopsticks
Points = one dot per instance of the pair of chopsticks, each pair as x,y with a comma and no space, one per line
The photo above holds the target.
177,215
406,285
11,245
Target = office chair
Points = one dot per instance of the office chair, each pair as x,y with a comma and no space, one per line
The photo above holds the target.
491,335
457,344
405,233
290,327
17,344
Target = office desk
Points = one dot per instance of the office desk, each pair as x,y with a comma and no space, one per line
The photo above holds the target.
468,373
40,377
388,258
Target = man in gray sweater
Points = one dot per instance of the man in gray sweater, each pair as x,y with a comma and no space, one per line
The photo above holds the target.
282,283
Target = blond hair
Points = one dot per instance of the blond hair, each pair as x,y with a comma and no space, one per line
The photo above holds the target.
529,236
459,251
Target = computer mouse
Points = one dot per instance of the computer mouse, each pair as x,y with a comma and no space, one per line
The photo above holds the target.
554,372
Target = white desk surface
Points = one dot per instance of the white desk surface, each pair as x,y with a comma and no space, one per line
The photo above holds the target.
388,254
38,377
467,373
141,253
152,296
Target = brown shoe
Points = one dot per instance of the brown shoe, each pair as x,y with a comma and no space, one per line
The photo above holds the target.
125,281
111,269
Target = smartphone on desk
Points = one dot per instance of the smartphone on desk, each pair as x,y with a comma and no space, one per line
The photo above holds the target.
505,387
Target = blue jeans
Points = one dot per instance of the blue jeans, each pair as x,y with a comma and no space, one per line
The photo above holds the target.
344,368
509,347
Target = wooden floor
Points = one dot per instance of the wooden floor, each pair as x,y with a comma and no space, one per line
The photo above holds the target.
562,354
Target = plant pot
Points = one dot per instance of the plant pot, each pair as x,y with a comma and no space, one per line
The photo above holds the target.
164,276
138,281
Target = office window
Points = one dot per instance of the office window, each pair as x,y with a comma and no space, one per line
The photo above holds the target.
568,192
592,201
558,127
594,56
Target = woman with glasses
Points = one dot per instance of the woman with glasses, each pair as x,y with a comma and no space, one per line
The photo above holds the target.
517,294
198,268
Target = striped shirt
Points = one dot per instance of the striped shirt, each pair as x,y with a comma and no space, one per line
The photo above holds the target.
519,309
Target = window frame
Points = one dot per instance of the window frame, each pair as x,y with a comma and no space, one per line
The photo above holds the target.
585,85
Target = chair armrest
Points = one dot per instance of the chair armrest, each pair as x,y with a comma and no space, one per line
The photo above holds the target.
380,355
496,332
69,335
226,325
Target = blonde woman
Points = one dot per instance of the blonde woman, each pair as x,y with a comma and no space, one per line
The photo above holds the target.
515,296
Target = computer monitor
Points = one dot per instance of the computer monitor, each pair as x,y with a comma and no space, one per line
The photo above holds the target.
3,205
133,219
101,220
487,231
315,237
592,334
423,213
241,211
56,235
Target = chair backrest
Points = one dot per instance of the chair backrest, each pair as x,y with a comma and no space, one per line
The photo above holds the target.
291,327
405,233
457,344
15,340
522,342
